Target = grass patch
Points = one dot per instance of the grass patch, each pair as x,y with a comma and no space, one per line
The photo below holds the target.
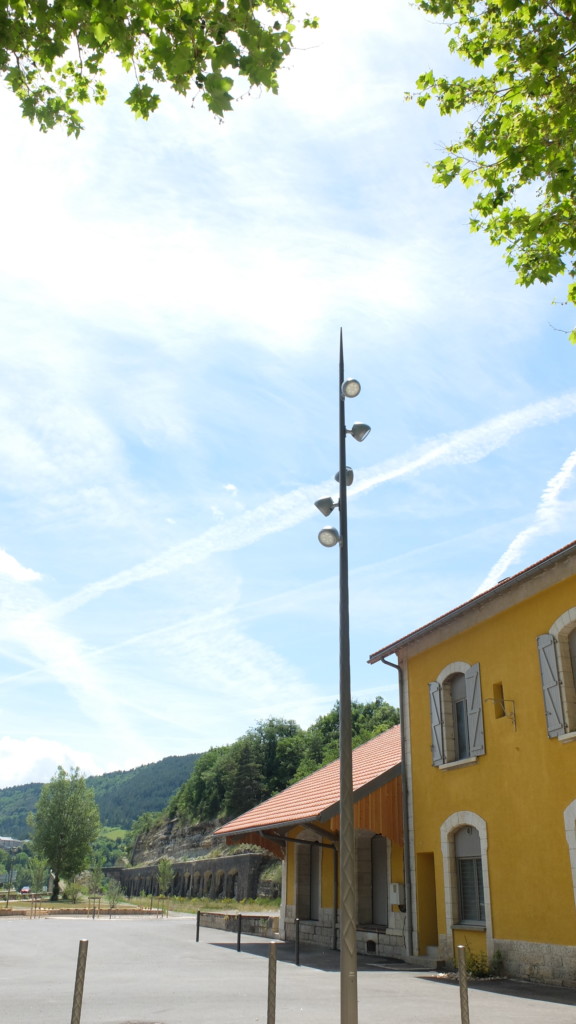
184,905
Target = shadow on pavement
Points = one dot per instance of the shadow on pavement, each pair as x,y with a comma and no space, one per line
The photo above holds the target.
329,960
320,959
519,989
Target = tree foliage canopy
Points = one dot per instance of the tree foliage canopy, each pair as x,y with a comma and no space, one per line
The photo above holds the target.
53,52
519,149
66,823
226,781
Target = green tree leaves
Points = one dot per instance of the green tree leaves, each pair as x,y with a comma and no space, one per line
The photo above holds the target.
53,52
226,781
65,824
519,149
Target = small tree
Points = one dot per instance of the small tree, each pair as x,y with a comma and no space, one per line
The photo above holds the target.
114,892
165,875
72,890
65,824
96,872
38,872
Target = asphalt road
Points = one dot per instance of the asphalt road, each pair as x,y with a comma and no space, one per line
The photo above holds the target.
152,971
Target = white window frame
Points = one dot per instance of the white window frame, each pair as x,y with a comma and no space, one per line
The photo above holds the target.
570,827
448,830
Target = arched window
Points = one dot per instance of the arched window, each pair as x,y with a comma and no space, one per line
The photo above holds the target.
456,714
471,905
464,844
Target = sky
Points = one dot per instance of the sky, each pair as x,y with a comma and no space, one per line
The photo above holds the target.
171,297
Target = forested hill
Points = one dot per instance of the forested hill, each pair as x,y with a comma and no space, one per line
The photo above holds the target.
227,781
121,796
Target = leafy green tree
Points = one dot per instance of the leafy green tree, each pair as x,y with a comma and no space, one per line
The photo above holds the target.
96,871
65,824
321,740
201,798
114,892
519,147
243,776
38,873
53,52
165,873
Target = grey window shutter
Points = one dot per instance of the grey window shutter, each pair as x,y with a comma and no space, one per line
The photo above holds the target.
551,684
475,717
436,722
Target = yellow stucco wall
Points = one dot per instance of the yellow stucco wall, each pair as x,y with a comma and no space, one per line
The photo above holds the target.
520,786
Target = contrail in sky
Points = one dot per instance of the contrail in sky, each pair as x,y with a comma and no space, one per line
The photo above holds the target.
544,519
287,510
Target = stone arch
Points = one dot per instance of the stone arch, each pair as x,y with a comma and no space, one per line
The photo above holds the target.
232,884
448,830
570,826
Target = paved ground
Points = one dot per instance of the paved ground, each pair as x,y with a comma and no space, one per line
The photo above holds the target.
152,971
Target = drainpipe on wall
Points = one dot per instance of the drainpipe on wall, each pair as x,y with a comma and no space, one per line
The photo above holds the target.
405,818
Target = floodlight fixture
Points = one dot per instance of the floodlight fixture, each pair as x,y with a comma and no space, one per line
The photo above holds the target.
329,537
359,431
350,388
326,505
349,476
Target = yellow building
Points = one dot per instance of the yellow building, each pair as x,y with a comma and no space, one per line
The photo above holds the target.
301,826
488,702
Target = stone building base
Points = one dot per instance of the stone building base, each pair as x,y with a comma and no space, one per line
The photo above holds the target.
539,961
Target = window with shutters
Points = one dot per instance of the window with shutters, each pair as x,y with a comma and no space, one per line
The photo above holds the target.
456,714
557,656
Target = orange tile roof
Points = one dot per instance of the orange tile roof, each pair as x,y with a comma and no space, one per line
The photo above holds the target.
310,798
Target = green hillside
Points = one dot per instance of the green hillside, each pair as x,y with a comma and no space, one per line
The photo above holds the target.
121,796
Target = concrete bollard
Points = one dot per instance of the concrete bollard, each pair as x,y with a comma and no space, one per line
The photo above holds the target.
463,984
79,984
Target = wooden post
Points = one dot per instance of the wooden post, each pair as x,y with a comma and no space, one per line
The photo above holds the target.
271,1018
463,983
79,984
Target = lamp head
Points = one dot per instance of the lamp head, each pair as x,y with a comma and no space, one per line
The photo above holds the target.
349,476
359,431
350,388
329,537
325,505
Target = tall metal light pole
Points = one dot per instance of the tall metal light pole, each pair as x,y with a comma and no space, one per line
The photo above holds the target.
347,853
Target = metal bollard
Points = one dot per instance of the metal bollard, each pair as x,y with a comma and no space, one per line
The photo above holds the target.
463,984
79,984
197,926
239,932
271,1018
297,941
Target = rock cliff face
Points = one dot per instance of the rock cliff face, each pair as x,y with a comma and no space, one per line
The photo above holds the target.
176,840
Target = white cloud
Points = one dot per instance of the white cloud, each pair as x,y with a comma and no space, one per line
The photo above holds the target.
36,760
11,567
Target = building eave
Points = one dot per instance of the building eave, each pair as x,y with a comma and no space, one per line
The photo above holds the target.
480,602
